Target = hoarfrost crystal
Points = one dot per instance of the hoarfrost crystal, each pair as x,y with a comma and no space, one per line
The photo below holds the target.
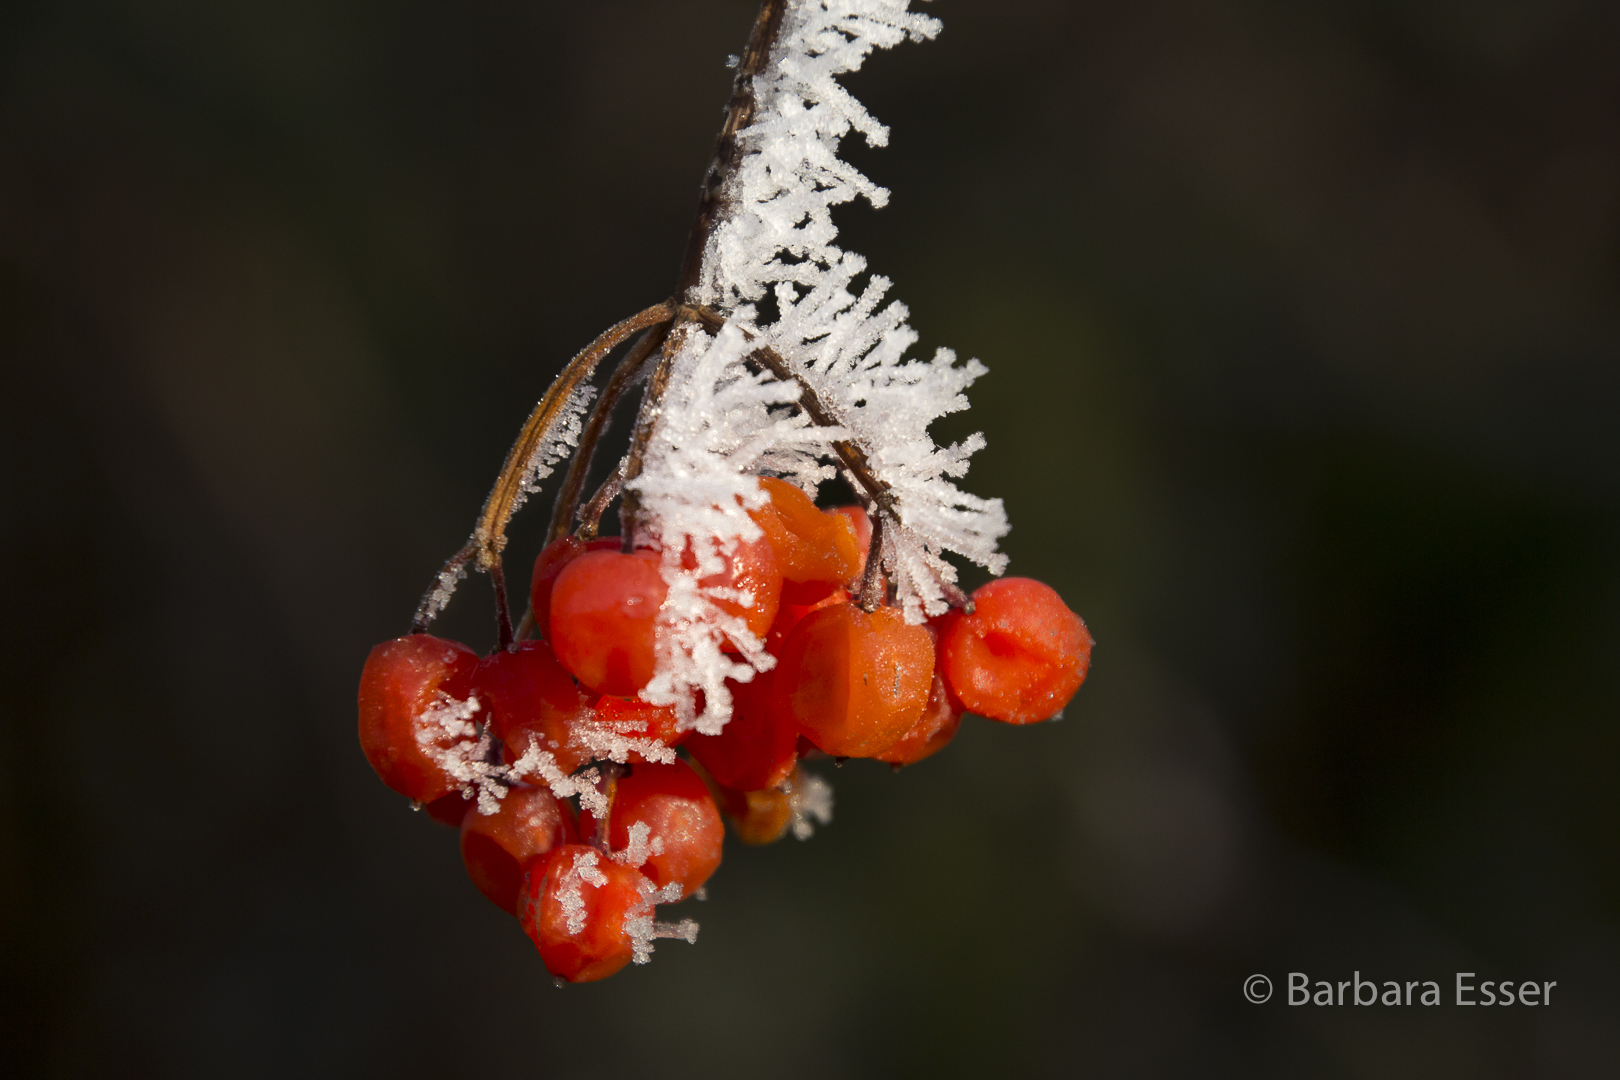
723,423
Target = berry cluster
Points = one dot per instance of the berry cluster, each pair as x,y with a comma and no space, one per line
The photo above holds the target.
505,746
676,677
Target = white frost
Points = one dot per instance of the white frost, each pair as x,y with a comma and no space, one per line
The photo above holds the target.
722,424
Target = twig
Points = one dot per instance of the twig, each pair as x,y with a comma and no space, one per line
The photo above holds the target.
490,534
870,597
715,199
624,376
713,204
590,518
483,548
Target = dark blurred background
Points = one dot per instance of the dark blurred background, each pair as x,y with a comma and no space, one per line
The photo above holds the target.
1303,332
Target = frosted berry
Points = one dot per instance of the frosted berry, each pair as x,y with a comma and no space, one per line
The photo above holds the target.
498,848
1020,656
854,683
575,907
604,614
632,718
412,714
684,830
750,568
531,701
757,747
815,551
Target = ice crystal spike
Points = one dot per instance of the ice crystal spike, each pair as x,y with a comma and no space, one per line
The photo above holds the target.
724,423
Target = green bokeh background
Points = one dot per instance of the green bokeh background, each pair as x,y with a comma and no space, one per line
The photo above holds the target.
1304,343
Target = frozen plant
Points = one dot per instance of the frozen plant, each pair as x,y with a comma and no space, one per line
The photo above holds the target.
731,617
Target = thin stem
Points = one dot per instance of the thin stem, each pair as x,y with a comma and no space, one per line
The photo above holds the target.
714,203
870,596
483,548
652,407
849,453
624,376
503,610
715,199
590,519
490,534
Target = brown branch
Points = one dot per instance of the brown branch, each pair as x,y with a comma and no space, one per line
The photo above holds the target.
714,203
489,537
624,376
503,609
590,518
849,453
483,548
870,596
715,199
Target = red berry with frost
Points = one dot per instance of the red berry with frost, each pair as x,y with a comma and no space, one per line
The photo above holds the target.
749,570
414,716
498,848
532,702
854,683
576,907
683,832
637,720
604,616
757,747
1020,656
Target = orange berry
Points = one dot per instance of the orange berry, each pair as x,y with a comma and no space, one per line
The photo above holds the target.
1020,656
750,568
815,551
497,849
402,689
574,907
604,616
934,728
633,718
854,683
756,748
557,555
530,700
681,817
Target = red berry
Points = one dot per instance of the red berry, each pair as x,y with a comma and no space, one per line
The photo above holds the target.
497,849
604,616
531,701
854,683
405,690
449,810
862,523
574,907
683,823
790,615
632,718
557,554
750,568
815,551
934,728
756,748
1020,656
